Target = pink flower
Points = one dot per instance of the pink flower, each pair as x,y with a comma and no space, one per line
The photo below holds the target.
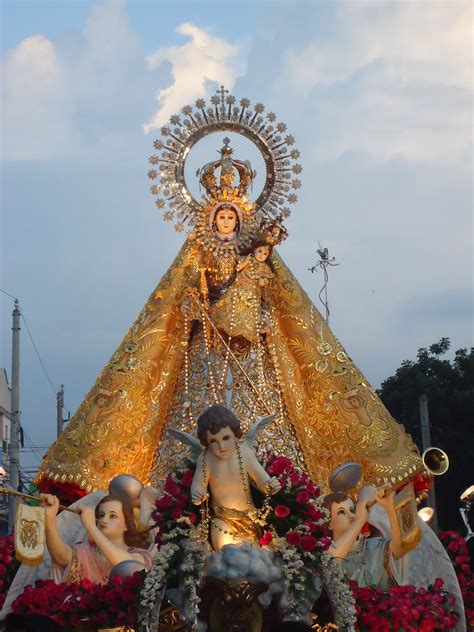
282,511
266,539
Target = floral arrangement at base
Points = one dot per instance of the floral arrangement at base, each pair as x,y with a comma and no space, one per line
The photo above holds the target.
295,529
8,565
459,554
405,608
83,603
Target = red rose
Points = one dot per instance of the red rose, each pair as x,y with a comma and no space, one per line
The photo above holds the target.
293,538
302,498
187,479
308,543
294,478
453,546
266,539
182,500
164,502
280,464
176,513
282,511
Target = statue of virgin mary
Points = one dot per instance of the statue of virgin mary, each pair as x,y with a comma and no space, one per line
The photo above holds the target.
188,347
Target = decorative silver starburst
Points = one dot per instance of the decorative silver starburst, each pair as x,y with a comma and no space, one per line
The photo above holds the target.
223,114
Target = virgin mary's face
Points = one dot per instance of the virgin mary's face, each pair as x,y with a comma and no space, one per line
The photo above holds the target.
226,221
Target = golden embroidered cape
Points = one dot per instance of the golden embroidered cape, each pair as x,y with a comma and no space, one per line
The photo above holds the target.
334,413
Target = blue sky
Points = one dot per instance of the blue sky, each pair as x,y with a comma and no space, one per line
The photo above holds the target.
378,95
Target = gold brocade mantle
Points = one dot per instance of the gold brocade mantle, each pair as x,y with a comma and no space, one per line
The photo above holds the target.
335,415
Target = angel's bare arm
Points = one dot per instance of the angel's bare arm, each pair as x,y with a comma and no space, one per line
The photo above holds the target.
200,482
257,473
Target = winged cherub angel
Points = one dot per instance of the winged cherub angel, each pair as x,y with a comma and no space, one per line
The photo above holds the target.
225,466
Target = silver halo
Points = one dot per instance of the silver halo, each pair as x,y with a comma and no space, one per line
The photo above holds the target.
222,115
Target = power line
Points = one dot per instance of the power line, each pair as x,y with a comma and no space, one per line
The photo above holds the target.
8,294
37,353
54,389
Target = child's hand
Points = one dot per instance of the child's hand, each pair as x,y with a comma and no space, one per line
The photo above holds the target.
88,518
361,513
50,504
384,497
273,485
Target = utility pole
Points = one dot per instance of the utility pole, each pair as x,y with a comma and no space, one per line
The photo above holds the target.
426,443
14,473
60,421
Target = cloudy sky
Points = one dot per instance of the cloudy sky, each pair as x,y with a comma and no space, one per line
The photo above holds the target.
378,95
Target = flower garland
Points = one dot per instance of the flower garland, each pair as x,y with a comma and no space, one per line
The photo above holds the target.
341,598
181,559
299,523
154,585
8,565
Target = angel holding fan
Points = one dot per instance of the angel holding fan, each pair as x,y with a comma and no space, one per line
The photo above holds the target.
225,466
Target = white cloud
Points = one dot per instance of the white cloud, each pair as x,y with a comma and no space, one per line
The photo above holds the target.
72,96
395,78
205,58
34,120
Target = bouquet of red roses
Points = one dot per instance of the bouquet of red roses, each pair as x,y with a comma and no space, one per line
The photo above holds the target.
294,506
405,608
8,565
175,503
83,603
459,554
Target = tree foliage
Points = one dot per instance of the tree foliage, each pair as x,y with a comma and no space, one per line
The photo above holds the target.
449,385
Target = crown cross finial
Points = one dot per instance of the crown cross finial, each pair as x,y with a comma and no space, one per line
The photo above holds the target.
222,92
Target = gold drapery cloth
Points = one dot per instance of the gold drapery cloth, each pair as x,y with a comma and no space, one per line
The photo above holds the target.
335,413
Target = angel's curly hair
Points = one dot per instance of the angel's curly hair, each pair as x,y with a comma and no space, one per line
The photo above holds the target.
214,419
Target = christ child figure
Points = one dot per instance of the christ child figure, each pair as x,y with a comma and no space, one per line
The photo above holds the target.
239,311
224,468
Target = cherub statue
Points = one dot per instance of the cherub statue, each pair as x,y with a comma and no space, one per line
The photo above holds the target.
372,561
231,313
384,560
224,467
112,538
